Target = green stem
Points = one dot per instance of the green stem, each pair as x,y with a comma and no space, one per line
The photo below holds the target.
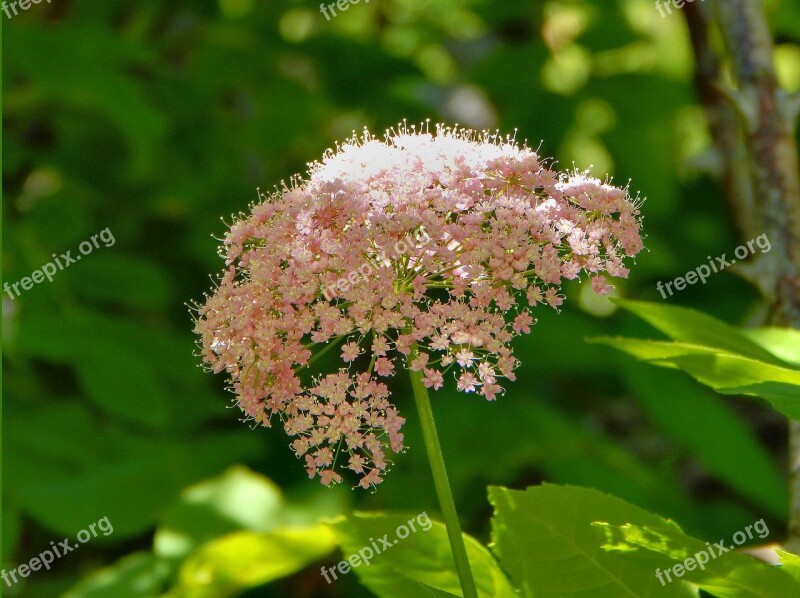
441,482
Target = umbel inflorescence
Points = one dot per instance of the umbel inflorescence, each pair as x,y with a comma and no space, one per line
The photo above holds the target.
421,251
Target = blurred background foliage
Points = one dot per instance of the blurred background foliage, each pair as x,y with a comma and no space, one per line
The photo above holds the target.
155,119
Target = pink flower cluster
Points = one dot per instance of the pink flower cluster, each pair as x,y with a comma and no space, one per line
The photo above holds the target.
502,231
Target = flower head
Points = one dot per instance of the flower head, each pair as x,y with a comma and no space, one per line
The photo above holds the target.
429,246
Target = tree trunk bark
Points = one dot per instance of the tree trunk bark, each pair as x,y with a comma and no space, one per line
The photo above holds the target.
763,180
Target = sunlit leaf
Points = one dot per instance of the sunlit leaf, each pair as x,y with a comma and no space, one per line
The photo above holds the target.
694,327
243,560
545,539
723,572
724,372
781,342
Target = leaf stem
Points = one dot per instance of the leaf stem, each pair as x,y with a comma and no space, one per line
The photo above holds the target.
442,484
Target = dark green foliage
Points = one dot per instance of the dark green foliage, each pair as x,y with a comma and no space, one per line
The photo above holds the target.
155,119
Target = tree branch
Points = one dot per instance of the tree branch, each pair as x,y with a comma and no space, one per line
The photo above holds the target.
724,122
769,137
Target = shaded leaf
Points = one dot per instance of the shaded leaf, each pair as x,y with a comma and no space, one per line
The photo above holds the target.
729,449
122,280
139,575
234,501
90,72
112,472
418,565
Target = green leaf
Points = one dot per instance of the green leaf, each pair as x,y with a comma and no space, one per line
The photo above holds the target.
139,575
418,565
545,541
724,574
696,328
566,451
84,334
225,534
791,563
234,501
728,449
241,560
126,386
237,500
724,372
141,373
782,342
12,525
125,280
111,472
92,75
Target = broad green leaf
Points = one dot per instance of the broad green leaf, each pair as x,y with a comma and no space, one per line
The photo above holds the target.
696,328
108,277
728,449
726,574
139,575
548,438
575,454
237,500
420,564
545,541
111,472
782,342
12,525
198,550
241,560
84,334
142,373
126,386
791,563
92,74
724,372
